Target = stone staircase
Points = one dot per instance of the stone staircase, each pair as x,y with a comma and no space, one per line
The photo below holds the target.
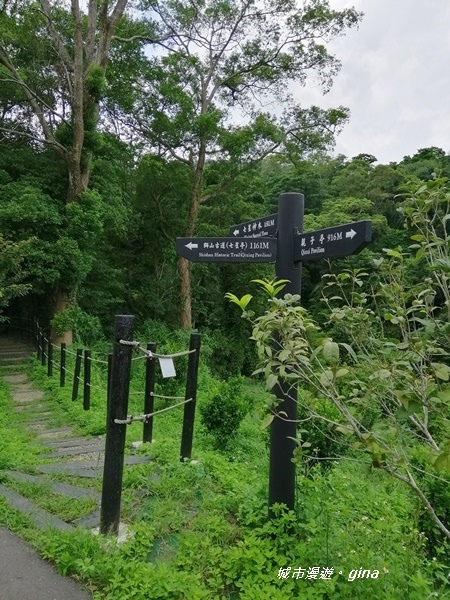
64,453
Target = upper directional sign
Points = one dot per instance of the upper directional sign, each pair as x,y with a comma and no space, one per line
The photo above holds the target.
264,227
222,249
333,241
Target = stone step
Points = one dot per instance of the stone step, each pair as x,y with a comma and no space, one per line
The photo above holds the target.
40,517
24,395
63,489
74,451
72,442
13,360
73,469
16,378
54,432
88,468
89,521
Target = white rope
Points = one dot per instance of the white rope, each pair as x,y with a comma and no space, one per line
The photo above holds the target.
167,397
71,352
144,418
149,354
73,374
96,387
104,362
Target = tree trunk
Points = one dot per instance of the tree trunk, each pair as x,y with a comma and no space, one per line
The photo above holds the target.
61,303
184,269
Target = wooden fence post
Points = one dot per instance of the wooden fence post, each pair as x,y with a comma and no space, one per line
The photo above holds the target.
87,380
191,392
39,343
62,365
43,350
50,358
116,433
76,374
149,391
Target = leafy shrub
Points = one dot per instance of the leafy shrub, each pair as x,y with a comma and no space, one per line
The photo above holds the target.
224,410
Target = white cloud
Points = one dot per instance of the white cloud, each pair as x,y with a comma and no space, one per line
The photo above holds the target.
394,78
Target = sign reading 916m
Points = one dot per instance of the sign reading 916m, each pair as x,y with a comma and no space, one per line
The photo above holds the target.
332,241
223,249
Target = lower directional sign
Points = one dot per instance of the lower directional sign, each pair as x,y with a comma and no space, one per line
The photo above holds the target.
333,241
224,249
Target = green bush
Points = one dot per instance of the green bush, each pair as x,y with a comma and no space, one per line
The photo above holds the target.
224,411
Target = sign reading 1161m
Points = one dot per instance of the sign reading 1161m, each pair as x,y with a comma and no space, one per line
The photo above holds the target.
222,249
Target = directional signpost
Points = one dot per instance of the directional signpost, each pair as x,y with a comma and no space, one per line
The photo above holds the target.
333,241
238,249
264,227
279,238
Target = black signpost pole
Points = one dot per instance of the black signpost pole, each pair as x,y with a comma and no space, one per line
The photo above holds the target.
282,469
255,241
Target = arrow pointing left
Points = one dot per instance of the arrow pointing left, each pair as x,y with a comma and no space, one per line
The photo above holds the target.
191,245
236,232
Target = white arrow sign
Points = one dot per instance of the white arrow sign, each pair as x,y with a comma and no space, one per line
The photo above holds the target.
350,234
236,232
191,245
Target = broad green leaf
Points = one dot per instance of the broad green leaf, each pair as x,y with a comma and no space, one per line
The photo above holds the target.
341,373
326,378
267,421
331,352
441,371
349,350
345,429
381,374
271,381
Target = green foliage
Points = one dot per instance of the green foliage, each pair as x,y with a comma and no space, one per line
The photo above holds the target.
224,410
388,378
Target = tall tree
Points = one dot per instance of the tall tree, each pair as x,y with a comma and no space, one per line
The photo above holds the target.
218,62
53,60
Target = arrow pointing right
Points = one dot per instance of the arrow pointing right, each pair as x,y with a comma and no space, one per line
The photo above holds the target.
350,234
191,245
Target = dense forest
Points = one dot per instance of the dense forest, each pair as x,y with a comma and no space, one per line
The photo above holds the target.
128,125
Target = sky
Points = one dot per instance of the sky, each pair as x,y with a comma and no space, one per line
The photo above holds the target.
395,79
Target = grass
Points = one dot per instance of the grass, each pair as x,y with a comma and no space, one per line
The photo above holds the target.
200,530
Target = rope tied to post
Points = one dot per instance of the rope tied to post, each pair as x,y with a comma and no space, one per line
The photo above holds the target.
137,347
145,418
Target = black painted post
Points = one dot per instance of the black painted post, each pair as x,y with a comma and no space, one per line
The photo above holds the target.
191,392
87,380
108,388
44,351
50,358
283,432
76,374
150,365
39,343
115,433
62,365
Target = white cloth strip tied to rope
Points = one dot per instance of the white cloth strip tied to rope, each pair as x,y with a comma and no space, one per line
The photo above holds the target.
148,354
144,418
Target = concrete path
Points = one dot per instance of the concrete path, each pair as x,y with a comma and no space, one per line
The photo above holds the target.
25,576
